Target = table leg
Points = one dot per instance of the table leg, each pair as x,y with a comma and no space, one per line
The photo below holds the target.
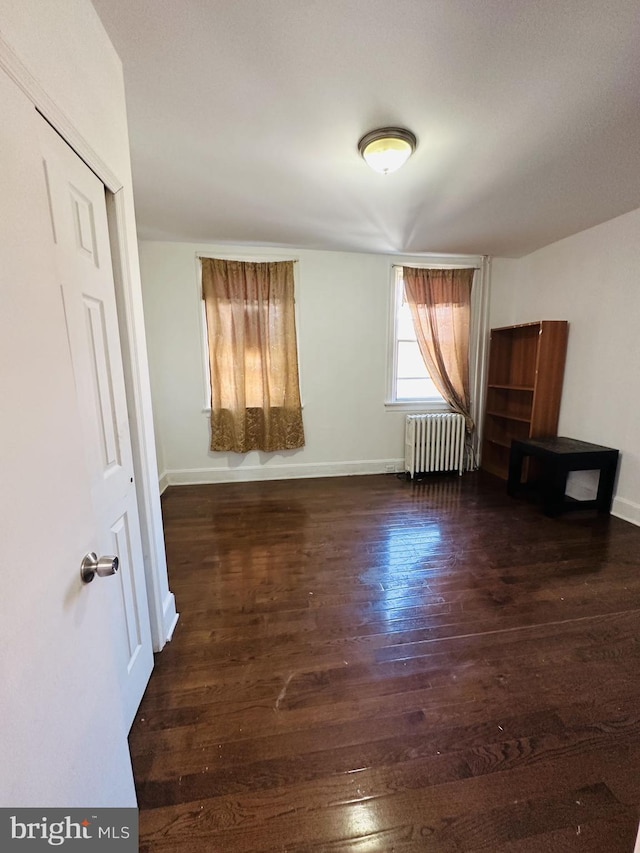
554,486
606,482
515,469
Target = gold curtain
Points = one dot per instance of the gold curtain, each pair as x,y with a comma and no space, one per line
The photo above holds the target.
440,303
255,389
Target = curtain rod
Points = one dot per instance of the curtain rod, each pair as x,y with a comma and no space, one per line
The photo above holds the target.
443,265
217,257
436,261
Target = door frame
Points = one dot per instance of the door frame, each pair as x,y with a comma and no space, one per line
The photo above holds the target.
162,609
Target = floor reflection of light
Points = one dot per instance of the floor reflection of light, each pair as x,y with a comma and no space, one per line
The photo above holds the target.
409,543
408,549
363,820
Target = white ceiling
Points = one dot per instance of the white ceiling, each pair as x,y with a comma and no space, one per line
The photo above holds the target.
245,115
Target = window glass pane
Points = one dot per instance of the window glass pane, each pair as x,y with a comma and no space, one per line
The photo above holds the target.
404,324
416,389
412,381
410,361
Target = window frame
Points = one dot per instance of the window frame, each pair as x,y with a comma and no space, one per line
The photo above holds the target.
424,405
392,398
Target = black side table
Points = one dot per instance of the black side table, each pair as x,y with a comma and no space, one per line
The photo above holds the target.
559,456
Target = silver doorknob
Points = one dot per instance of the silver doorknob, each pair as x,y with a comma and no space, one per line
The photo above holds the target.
93,565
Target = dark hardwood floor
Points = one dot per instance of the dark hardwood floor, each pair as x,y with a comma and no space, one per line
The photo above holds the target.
368,665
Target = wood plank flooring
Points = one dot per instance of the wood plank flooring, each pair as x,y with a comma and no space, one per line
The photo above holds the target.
366,665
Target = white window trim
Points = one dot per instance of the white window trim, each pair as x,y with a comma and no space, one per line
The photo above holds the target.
249,257
432,405
478,333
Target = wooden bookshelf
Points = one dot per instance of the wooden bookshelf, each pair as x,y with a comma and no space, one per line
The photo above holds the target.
524,388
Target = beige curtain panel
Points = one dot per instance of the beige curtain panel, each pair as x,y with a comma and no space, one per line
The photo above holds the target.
255,388
440,303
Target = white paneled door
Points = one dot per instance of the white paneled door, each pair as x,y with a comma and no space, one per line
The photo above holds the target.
84,268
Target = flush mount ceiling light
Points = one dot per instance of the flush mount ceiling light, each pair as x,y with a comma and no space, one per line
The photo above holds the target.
387,148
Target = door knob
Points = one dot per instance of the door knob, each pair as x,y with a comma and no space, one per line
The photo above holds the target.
93,565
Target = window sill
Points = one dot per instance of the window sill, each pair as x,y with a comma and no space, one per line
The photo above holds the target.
417,406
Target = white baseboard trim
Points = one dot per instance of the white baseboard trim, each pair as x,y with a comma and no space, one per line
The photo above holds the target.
249,473
171,616
626,510
622,508
168,620
163,482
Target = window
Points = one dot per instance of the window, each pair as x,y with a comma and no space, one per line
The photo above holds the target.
253,362
251,354
409,381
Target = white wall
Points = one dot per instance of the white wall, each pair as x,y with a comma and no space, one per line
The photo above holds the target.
591,279
343,305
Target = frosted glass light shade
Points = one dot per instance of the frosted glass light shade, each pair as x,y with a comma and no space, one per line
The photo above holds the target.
388,148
